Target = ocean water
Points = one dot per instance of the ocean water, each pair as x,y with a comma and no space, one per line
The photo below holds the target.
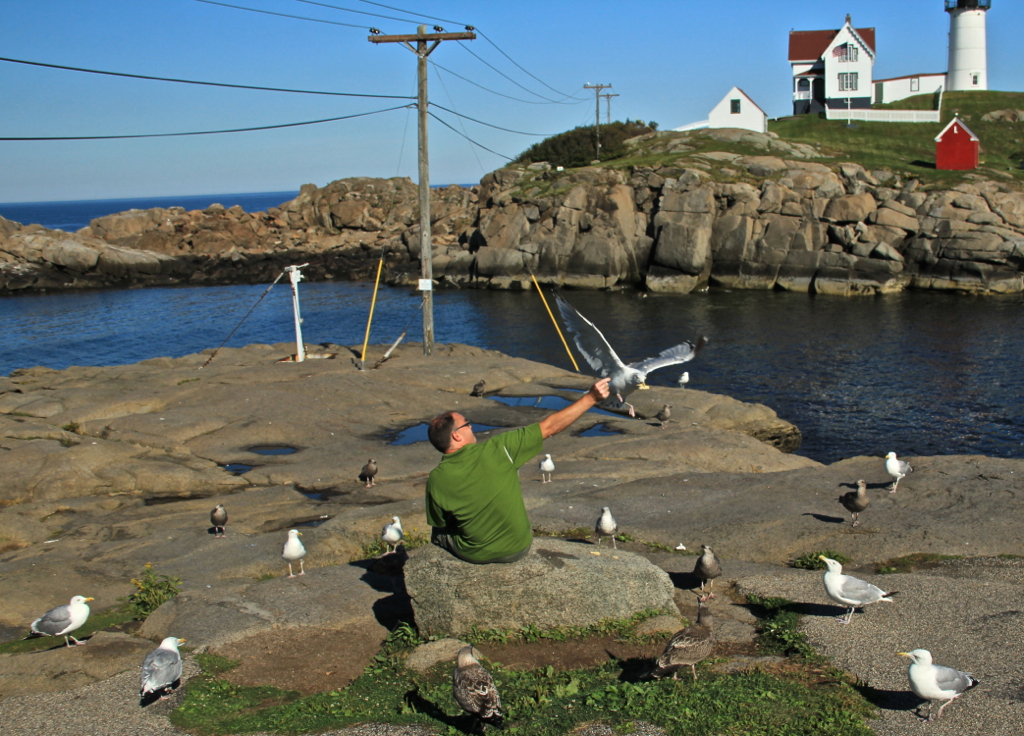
73,216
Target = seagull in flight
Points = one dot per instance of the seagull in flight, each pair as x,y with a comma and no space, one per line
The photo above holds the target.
602,358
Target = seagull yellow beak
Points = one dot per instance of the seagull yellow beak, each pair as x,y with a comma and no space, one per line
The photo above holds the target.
180,640
643,387
903,654
90,599
822,557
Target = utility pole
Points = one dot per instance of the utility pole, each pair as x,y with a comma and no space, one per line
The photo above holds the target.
608,108
425,44
597,114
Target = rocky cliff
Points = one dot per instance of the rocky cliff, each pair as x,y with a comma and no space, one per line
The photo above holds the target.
726,207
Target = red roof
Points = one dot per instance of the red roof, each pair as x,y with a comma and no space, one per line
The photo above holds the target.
810,45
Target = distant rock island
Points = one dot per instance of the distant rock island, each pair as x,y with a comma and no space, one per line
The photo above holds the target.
726,208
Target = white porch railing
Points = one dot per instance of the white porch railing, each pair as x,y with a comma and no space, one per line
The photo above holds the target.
802,95
885,116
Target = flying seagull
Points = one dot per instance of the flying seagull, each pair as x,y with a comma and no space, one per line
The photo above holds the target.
935,682
599,355
707,568
851,591
161,668
219,517
856,501
369,470
688,646
606,526
546,467
62,620
393,533
478,388
664,415
897,469
294,552
474,690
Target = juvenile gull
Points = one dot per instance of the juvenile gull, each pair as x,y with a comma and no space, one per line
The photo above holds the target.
161,668
935,682
851,591
393,533
897,469
664,415
599,355
606,526
688,646
62,620
707,567
546,467
478,388
474,690
219,517
294,551
856,501
369,470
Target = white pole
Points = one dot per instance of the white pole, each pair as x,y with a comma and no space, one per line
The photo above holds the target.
296,276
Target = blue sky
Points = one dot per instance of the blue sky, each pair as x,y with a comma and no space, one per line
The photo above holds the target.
668,60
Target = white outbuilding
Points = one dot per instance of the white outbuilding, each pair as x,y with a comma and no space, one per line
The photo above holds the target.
737,110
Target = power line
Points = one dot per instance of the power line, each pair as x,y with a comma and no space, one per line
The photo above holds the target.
360,12
492,67
206,84
282,15
521,68
466,136
198,132
496,127
501,94
409,12
452,102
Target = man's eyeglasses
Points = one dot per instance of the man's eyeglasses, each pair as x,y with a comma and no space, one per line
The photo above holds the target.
462,426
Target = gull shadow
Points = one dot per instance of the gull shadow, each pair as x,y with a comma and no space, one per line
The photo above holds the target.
632,669
825,518
890,699
684,580
149,699
421,705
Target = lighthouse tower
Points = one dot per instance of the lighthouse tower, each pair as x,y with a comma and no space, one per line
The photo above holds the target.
968,66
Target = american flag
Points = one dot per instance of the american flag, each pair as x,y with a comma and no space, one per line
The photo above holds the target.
839,50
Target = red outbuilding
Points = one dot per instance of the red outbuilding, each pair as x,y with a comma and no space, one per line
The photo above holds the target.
956,147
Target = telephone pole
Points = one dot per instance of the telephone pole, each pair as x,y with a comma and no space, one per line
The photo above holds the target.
597,114
425,44
608,108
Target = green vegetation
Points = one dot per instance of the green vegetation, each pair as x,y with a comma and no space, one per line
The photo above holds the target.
621,629
376,547
812,561
778,632
576,147
908,563
97,621
151,590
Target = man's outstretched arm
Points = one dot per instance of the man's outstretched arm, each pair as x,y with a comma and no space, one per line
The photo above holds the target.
563,418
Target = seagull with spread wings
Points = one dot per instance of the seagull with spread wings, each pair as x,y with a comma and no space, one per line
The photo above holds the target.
625,379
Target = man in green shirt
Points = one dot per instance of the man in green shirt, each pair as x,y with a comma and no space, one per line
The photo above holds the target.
474,501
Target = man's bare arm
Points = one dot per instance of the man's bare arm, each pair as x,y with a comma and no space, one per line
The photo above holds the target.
564,418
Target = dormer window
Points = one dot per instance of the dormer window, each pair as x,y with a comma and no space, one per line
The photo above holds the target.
734,107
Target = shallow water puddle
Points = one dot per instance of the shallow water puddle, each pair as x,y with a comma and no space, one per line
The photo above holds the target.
237,468
599,430
554,403
418,433
273,450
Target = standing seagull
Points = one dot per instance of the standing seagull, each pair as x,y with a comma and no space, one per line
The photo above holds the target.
219,517
935,682
684,379
478,388
62,620
474,690
897,469
599,355
606,526
294,551
664,415
707,568
851,591
546,467
393,533
856,501
369,470
161,668
688,646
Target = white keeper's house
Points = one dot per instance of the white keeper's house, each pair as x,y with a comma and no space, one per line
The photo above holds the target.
832,68
737,110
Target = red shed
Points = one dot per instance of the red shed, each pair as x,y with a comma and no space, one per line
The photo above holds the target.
956,147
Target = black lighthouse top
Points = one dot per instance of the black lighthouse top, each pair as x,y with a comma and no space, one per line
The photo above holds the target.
952,5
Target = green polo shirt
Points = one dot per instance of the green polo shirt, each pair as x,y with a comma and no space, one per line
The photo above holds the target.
474,495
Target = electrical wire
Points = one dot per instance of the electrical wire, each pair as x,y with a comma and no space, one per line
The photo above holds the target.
206,84
360,12
198,132
486,38
500,94
409,12
440,120
452,102
498,71
489,125
282,15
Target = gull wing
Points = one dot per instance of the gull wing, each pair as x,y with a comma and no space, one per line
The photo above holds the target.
160,669
53,621
673,356
948,678
589,340
855,589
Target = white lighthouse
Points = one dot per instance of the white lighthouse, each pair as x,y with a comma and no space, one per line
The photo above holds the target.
968,65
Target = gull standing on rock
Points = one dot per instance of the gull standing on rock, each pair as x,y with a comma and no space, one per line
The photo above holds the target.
294,552
62,620
369,470
856,501
474,690
897,469
707,568
478,388
161,668
664,415
606,526
935,682
688,646
219,517
684,379
599,355
393,533
546,467
851,591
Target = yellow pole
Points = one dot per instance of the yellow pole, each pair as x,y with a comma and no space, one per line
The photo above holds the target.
555,322
373,303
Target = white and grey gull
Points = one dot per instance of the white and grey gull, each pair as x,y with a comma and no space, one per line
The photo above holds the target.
606,526
851,591
546,467
62,620
393,533
897,468
294,552
161,668
933,682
